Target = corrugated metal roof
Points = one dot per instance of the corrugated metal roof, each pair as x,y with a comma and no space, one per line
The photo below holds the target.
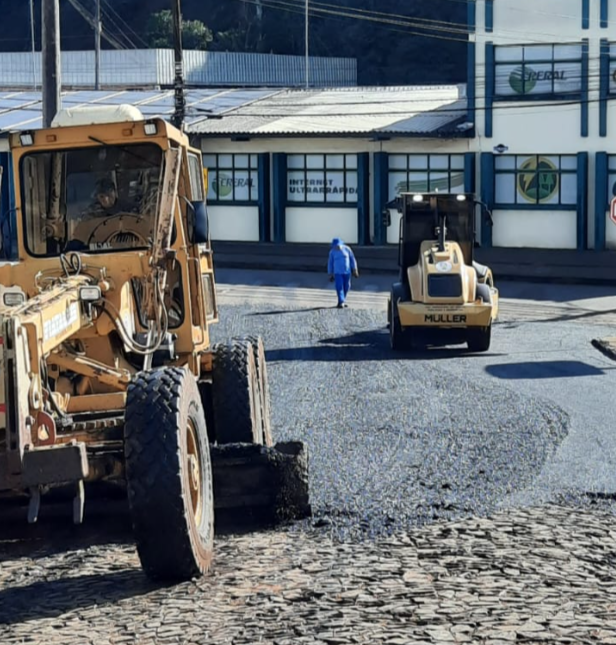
397,110
403,111
21,110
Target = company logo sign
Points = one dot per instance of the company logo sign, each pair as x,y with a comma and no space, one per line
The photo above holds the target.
538,180
224,184
523,80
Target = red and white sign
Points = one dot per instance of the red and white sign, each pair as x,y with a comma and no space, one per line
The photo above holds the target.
613,210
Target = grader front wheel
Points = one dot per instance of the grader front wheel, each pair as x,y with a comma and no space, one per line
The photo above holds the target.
169,474
236,398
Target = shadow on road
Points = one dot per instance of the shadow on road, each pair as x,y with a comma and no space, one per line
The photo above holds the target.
544,370
372,345
52,598
277,312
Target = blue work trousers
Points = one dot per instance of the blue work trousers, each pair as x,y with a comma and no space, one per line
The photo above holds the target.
343,285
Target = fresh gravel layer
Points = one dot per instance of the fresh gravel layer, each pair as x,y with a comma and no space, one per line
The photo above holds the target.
393,441
543,575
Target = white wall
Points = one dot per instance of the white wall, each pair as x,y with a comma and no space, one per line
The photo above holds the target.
535,229
534,128
322,220
234,223
305,224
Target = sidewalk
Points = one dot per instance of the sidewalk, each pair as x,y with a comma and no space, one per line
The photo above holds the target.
525,265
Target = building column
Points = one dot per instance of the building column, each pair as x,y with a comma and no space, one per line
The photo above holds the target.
601,188
265,202
363,198
381,189
582,199
280,195
487,194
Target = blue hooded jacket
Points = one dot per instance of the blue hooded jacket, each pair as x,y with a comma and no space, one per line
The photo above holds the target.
341,260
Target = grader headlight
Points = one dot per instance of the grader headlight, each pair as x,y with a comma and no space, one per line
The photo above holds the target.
13,299
90,294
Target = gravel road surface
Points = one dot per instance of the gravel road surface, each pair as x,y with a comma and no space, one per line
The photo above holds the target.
457,497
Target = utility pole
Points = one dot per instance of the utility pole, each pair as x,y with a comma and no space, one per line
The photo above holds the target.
52,73
97,47
179,100
33,43
306,49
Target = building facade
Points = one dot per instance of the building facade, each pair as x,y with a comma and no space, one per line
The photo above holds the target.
542,84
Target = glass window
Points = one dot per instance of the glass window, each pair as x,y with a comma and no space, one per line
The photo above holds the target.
611,180
425,173
538,70
196,178
536,179
232,178
612,69
322,178
92,199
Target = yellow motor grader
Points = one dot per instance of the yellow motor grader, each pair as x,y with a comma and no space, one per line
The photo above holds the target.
443,297
107,372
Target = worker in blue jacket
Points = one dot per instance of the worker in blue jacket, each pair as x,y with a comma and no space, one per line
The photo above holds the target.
340,266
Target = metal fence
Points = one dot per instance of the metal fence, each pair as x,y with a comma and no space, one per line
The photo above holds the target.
154,68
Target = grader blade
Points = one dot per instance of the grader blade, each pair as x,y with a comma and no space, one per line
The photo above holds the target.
260,485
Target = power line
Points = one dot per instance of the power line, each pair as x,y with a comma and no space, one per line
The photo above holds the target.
127,25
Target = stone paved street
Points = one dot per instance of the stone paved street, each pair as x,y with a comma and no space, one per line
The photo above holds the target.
542,575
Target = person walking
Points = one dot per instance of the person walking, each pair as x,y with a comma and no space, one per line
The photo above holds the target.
340,266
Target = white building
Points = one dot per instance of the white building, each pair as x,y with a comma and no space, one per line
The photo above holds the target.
543,92
533,133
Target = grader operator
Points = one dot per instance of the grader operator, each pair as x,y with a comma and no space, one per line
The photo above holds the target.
107,372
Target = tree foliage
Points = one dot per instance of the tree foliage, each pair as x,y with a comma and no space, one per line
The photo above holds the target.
159,32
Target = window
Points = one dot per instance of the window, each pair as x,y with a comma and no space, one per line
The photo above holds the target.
196,178
612,68
538,70
611,178
232,178
100,199
425,173
322,179
532,180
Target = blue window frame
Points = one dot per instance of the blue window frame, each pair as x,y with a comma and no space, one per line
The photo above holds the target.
232,178
535,72
536,181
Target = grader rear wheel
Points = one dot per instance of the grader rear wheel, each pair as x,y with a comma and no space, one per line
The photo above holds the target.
169,474
264,392
236,394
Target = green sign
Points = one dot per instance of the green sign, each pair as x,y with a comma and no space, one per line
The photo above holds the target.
538,180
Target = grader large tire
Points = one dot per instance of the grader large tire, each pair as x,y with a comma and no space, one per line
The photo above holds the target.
235,394
169,474
264,392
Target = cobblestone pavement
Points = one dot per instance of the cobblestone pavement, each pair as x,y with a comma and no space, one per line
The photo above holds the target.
543,575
